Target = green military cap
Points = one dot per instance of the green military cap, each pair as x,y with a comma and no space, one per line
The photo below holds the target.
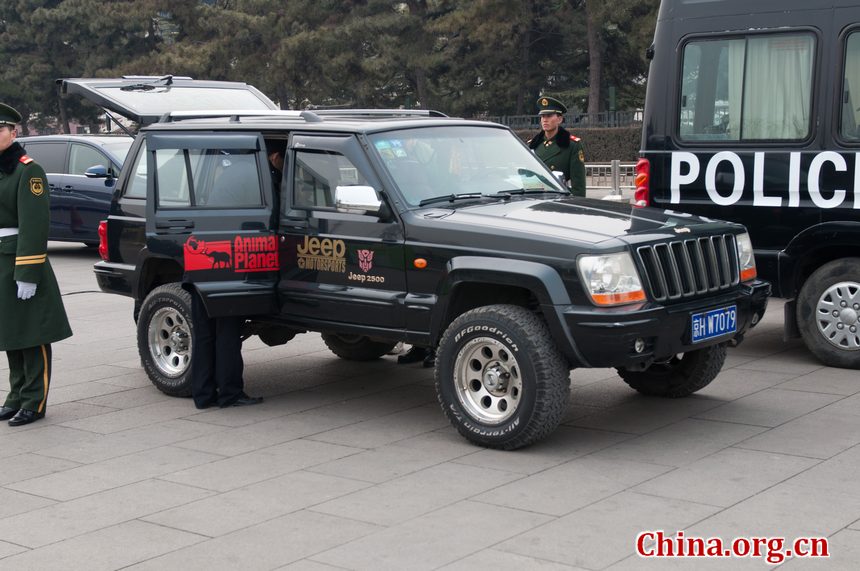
548,105
8,115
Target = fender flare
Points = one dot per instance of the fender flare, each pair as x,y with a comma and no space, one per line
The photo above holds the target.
818,238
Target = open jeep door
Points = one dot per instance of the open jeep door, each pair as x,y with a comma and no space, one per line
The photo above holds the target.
146,99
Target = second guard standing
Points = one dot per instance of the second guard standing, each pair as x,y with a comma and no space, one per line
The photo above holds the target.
556,147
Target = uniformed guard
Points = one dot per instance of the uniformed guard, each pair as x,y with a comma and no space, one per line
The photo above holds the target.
557,148
32,315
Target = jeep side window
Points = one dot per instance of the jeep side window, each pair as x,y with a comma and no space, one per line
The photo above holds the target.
757,87
171,179
318,174
851,89
136,186
226,178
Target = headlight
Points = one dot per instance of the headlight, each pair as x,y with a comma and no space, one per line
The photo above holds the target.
611,279
746,257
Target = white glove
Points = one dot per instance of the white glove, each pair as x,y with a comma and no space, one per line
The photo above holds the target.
26,290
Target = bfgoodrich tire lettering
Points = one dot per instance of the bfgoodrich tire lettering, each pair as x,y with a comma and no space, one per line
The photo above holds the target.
164,333
500,378
356,347
680,376
828,313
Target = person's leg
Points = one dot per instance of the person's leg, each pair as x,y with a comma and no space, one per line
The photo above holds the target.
203,388
33,392
414,355
16,380
229,366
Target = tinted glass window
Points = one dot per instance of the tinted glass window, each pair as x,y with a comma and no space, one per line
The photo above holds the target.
82,157
171,180
52,156
136,187
753,88
318,174
850,128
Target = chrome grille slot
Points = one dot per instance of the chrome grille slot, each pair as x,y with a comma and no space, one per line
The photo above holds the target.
687,268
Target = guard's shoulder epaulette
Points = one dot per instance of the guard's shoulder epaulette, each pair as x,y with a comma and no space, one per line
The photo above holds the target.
25,159
575,138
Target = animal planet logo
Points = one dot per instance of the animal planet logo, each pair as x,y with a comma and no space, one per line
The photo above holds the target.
365,260
201,255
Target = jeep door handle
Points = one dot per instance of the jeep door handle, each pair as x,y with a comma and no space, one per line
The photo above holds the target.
175,224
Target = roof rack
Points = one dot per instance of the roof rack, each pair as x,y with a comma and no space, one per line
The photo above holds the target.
309,116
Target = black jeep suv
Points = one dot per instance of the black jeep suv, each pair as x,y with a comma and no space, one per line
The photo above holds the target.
390,226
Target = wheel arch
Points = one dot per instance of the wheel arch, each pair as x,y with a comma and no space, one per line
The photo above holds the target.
814,247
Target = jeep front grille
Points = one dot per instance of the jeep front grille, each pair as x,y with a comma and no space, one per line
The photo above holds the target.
688,268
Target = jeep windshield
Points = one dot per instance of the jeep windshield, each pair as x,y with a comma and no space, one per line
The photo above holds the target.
441,164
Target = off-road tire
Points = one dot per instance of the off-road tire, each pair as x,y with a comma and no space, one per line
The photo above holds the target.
356,347
165,315
834,287
680,376
511,340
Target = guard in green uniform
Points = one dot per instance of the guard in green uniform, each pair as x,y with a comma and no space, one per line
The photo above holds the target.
32,315
557,148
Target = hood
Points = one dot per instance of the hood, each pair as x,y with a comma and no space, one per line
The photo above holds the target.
576,219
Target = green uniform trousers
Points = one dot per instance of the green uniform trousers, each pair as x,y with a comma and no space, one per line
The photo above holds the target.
29,378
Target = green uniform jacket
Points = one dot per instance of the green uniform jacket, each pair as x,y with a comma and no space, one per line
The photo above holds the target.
564,153
25,204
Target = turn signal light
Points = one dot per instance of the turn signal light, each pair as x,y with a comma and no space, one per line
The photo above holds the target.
419,263
642,194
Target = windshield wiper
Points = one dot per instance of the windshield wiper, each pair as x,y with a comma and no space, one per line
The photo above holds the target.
164,81
451,198
528,191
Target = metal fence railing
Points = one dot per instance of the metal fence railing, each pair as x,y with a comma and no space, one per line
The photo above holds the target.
603,119
613,180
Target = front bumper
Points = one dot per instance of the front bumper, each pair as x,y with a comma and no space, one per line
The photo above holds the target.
606,337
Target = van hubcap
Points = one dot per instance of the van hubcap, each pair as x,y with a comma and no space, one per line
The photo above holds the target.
838,315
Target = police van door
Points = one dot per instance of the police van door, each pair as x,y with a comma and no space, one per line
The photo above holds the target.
338,267
210,208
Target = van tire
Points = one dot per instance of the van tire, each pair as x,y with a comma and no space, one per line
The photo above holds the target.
680,376
164,333
834,287
356,347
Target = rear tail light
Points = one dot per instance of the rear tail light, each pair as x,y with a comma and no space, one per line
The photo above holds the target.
103,246
642,195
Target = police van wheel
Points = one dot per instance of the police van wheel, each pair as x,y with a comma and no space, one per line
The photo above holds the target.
679,376
828,313
164,339
500,378
356,347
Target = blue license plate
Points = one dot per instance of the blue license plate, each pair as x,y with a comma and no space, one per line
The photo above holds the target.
714,323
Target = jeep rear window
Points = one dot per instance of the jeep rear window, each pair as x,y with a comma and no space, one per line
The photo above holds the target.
437,161
850,128
757,87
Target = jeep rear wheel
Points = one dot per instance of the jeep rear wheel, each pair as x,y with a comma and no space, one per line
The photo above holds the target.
679,376
828,313
356,347
500,378
164,334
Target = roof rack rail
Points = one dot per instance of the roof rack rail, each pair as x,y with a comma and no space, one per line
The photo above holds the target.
378,113
308,115
233,114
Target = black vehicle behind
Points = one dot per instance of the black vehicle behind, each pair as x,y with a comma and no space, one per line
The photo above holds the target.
753,115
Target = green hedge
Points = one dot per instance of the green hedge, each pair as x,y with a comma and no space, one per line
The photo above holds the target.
604,145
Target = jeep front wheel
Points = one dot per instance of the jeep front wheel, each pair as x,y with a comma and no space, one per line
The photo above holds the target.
164,334
500,378
356,347
679,376
828,313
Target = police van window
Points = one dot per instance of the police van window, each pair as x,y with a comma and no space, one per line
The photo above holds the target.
171,179
136,186
753,88
850,128
318,174
83,157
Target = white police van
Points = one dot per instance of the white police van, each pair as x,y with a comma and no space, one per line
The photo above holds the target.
753,115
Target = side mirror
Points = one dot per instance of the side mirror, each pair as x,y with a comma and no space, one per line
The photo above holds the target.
98,171
357,200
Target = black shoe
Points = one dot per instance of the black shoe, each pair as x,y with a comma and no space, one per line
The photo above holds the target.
25,416
430,359
6,413
244,400
414,355
205,405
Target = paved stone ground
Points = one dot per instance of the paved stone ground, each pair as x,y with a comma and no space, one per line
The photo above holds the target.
353,466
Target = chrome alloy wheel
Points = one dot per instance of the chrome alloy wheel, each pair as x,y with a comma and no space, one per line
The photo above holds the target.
488,380
170,341
838,315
